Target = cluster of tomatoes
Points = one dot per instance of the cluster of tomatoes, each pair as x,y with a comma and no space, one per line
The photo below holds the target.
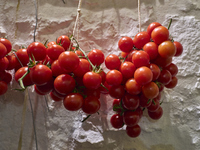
5,76
137,81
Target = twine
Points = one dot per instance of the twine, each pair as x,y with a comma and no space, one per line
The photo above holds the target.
139,15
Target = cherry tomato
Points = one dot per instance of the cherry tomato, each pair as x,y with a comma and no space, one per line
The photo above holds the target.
127,69
152,26
130,102
92,80
131,118
96,57
37,50
22,56
151,49
140,58
2,74
154,105
7,78
150,90
130,55
46,88
91,105
12,62
172,83
160,34
73,101
114,77
3,50
54,97
155,70
80,54
54,51
167,49
116,105
125,44
117,121
165,77
51,43
4,63
3,87
68,60
64,84
132,87
57,70
141,39
179,48
103,76
162,62
172,68
105,90
83,67
143,75
92,92
161,87
38,92
117,91
112,61
64,41
7,44
156,114
144,102
133,131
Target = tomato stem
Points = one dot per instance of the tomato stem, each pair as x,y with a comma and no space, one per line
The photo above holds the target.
169,23
20,79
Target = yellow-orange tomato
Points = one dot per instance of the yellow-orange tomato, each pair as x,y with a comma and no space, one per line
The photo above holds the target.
167,49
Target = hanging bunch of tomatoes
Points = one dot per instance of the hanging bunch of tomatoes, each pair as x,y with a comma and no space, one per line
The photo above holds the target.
5,76
136,82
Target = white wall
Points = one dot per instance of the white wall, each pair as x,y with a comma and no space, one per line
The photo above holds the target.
102,24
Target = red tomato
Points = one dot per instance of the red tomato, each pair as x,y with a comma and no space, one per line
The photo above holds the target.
127,69
23,57
92,92
92,80
3,50
46,88
130,102
64,84
156,114
133,131
155,70
57,70
172,83
116,105
143,75
114,77
152,26
104,90
7,44
83,67
161,87
179,48
140,58
125,44
141,39
144,102
172,68
130,55
54,97
73,101
2,74
154,105
54,51
150,90
162,62
124,54
51,43
167,49
7,78
96,57
131,118
151,49
37,50
3,87
68,60
103,76
12,62
117,121
27,79
64,41
112,61
38,92
165,77
4,63
117,91
160,34
80,54
91,105
132,87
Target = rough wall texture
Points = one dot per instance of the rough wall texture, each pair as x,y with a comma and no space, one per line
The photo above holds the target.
102,24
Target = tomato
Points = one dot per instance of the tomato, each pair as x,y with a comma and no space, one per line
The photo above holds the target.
141,39
154,105
96,57
7,44
80,54
144,102
38,92
27,79
161,87
92,92
3,87
37,50
91,105
46,88
114,77
51,43
4,63
55,97
132,87
130,55
140,58
125,44
123,54
7,78
172,68
3,50
160,34
155,70
165,77
57,70
54,51
127,69
112,61
23,57
162,62
92,80
105,90
131,118
64,41
117,121
143,75
116,105
130,102
179,48
2,74
73,101
156,114
140,111
64,84
117,91
47,60
103,76
58,95
83,67
172,83
167,49
133,131
150,90
68,60
152,26
151,49
12,62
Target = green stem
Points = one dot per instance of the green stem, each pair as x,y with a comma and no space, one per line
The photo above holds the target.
20,79
169,24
